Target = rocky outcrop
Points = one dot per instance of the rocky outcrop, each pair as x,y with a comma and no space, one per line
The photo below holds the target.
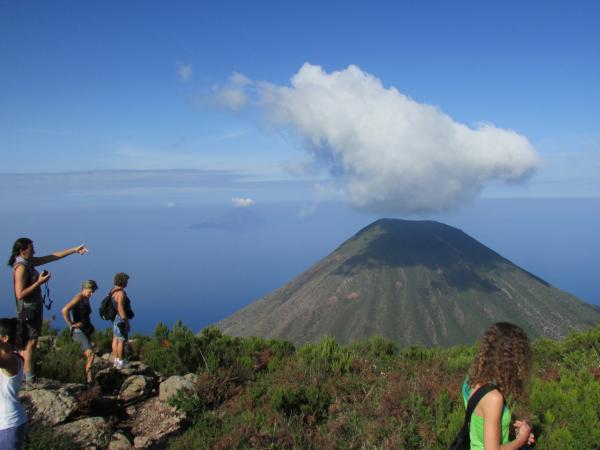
172,385
88,432
49,403
121,411
152,423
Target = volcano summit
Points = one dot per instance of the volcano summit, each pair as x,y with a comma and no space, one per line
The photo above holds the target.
416,283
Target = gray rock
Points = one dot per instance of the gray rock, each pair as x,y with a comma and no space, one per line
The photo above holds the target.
88,432
119,442
172,385
154,422
49,406
136,387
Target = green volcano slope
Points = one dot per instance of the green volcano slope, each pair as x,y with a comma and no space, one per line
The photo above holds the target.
416,283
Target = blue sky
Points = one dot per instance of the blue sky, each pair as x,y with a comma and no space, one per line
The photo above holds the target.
402,109
96,85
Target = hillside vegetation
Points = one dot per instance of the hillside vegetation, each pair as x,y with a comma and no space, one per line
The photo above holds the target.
256,393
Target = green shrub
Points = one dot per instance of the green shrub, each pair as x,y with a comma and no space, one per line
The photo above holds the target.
306,401
44,438
326,357
64,362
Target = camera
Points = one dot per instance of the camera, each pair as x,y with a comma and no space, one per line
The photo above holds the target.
44,273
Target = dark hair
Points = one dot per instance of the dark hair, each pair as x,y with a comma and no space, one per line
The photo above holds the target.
8,327
121,279
19,245
504,358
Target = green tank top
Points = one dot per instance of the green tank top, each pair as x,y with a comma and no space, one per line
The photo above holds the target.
476,429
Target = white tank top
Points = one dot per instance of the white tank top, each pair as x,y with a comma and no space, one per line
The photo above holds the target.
12,413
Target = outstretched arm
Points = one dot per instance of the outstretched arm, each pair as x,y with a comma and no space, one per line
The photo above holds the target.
38,261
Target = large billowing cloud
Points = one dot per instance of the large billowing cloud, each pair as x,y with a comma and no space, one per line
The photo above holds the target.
390,153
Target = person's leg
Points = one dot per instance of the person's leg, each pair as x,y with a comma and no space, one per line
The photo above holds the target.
28,354
115,343
89,355
120,348
13,438
20,436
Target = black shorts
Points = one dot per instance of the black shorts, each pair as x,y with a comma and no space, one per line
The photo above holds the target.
32,318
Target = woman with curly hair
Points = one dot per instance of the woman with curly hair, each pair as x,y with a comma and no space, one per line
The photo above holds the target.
504,361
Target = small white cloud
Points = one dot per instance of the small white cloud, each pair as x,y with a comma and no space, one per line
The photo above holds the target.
242,202
170,205
239,79
185,71
234,95
307,210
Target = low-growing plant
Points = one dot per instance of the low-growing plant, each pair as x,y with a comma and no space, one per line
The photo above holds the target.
310,402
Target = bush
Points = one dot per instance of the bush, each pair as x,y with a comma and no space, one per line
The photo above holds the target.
309,402
326,357
43,438
64,362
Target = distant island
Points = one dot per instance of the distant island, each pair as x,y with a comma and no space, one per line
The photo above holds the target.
415,283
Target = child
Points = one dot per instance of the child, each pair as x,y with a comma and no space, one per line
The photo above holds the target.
13,420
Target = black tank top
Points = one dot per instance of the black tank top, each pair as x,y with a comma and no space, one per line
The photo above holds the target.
81,313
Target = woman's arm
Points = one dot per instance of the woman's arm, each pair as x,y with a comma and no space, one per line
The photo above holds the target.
68,307
21,291
38,261
492,405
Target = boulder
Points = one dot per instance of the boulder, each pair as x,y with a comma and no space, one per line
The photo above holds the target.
169,388
136,387
89,432
110,380
50,406
154,422
119,442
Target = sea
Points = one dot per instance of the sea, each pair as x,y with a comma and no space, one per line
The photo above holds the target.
201,263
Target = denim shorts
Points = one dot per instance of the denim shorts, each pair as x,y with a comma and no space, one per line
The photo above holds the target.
13,438
81,337
119,329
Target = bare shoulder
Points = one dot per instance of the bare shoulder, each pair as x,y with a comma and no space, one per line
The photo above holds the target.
492,402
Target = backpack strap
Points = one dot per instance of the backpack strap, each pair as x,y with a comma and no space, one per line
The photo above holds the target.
474,401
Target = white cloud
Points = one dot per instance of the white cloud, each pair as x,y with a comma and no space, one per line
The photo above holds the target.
390,153
242,202
307,210
185,71
233,95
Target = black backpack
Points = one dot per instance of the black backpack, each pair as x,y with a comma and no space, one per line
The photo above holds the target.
107,308
108,311
463,440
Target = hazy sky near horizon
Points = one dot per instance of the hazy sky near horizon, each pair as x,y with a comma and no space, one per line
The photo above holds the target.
402,109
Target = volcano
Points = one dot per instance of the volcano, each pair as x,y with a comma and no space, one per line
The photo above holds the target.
416,283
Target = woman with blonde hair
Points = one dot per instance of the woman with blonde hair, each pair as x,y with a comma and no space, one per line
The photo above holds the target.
502,371
77,315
